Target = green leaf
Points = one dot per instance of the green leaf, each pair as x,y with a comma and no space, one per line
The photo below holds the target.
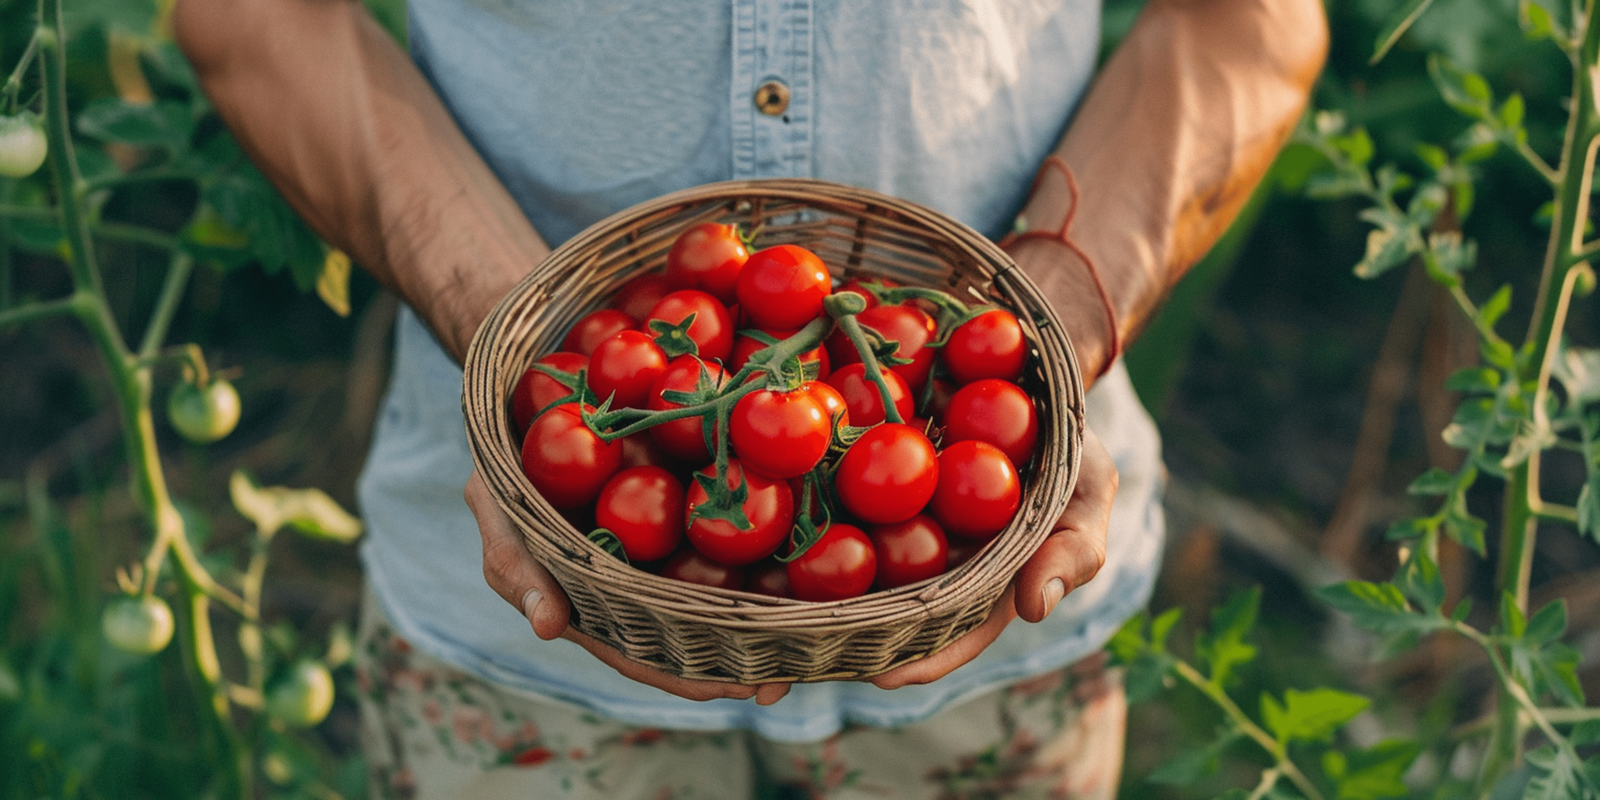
1387,248
1536,22
1474,379
1477,143
1378,607
1433,155
1512,112
1466,91
1311,715
1512,620
1578,370
1224,647
1547,624
1147,676
1396,26
310,511
1334,185
1162,627
1585,734
278,238
1408,528
1532,437
1556,776
1355,145
164,124
1496,307
1420,580
1372,774
1128,643
1191,766
1433,482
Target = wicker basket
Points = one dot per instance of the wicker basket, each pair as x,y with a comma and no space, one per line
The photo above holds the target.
715,634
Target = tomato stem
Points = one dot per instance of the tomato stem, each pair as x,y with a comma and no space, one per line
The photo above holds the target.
844,308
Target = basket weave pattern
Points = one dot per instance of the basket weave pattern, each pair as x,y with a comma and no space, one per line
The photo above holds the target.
714,634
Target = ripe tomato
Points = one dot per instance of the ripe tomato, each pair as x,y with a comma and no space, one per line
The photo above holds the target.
909,551
624,367
535,390
779,434
978,490
855,285
769,577
782,287
708,257
692,566
864,400
744,347
990,345
23,145
832,402
302,696
769,505
643,506
565,461
907,325
140,625
839,566
639,450
683,439
596,327
712,330
994,411
204,414
636,297
888,475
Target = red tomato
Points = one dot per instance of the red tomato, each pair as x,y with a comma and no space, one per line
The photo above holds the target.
535,390
769,505
770,578
997,412
782,287
643,506
909,551
832,402
691,566
639,450
854,285
841,565
712,330
907,325
978,490
864,400
990,345
744,347
779,434
596,327
683,439
636,297
708,257
888,475
565,461
961,551
626,365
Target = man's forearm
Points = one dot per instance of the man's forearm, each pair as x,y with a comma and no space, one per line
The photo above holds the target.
340,120
1175,133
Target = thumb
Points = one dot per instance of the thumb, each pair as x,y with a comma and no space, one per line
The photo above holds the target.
511,571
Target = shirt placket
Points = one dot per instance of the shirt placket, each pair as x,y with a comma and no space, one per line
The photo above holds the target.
772,89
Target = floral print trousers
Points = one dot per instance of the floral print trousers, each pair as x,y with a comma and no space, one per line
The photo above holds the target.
434,732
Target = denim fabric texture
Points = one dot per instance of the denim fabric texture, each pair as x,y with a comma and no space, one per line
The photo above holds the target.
585,107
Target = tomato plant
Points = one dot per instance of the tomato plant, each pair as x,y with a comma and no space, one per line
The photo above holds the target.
978,490
708,257
838,566
781,288
908,325
643,508
566,461
779,434
888,475
990,345
745,346
624,367
994,411
909,551
768,506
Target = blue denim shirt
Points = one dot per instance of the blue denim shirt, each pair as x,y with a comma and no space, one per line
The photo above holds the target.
585,107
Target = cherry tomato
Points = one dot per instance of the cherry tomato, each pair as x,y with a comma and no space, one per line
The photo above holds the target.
888,475
856,286
745,346
832,402
907,325
708,257
639,450
994,411
596,327
839,566
565,461
683,439
302,696
779,434
864,400
204,414
769,577
909,551
961,551
978,491
769,505
636,297
23,144
140,625
990,345
624,367
643,506
712,330
536,390
691,566
782,287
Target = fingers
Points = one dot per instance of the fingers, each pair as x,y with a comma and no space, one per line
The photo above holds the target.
957,653
511,571
1076,549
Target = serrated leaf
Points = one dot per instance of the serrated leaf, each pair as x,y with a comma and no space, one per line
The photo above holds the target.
1387,248
1162,626
1465,530
1532,437
1128,642
1548,624
1433,482
1496,306
164,124
1396,26
1191,766
1223,647
1420,580
310,511
1464,90
1556,776
1378,607
1372,774
1407,528
1499,354
1512,112
1473,379
1556,670
1512,621
1310,715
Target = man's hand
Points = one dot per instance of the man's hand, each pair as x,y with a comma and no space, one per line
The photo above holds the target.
1073,553
520,580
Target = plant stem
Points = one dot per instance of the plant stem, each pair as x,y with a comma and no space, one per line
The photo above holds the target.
844,308
172,289
14,82
106,230
63,161
1248,726
32,311
143,176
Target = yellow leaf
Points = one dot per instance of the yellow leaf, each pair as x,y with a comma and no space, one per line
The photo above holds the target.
333,285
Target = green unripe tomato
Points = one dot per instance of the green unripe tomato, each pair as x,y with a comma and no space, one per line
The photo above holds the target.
140,625
204,414
302,696
22,144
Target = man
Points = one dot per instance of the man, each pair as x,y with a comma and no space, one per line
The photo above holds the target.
554,115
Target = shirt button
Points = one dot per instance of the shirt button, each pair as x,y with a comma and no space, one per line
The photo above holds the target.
772,98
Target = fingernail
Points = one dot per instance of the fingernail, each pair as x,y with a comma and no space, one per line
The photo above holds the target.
1052,594
531,601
